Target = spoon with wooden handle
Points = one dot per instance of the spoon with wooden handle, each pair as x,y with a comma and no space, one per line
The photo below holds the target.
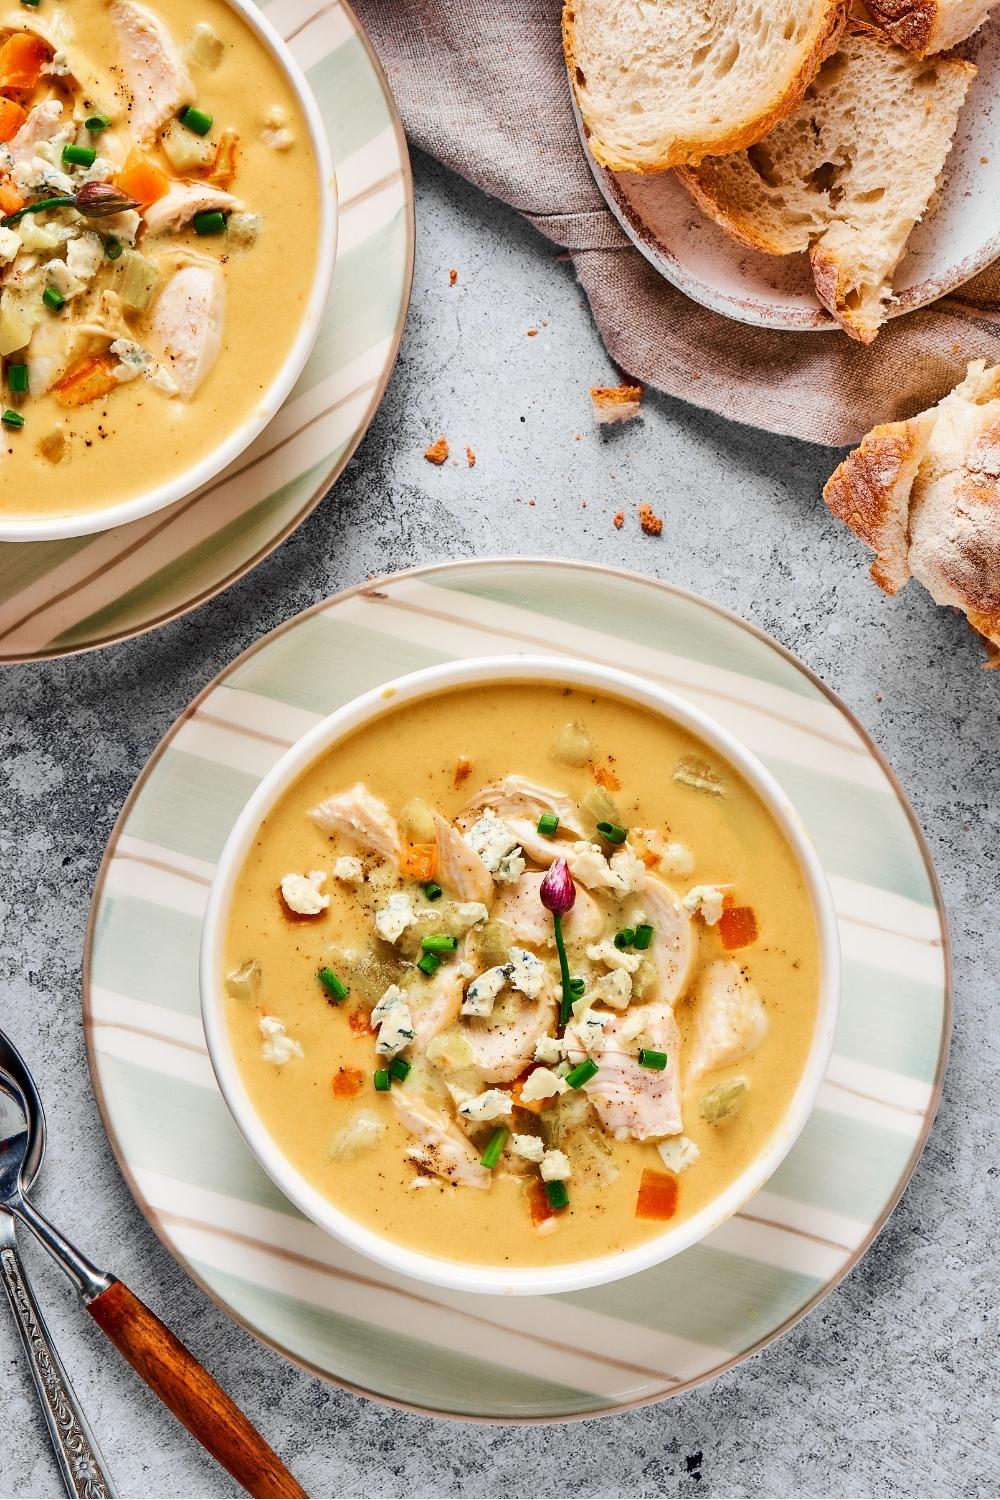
170,1370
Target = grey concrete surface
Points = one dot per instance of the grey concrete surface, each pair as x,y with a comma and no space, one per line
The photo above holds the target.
890,1387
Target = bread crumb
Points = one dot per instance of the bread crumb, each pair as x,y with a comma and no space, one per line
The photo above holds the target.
615,403
532,333
619,519
437,453
955,348
452,276
984,161
650,522
470,458
878,697
577,436
531,502
695,374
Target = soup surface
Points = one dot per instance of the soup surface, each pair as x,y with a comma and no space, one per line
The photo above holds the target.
457,1098
150,304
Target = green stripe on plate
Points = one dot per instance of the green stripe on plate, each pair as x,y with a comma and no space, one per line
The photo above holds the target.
889,1021
193,806
708,1296
840,1164
446,1381
679,626
363,306
167,1121
325,663
348,93
148,952
860,833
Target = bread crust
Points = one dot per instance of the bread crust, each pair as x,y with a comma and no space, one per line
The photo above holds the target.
740,229
870,492
683,151
909,23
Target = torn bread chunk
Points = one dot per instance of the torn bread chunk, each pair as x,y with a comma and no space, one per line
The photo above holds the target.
925,496
927,26
848,175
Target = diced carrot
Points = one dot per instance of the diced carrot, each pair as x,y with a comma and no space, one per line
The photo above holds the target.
463,768
657,1196
605,777
142,179
649,856
12,117
21,59
346,1082
227,158
286,910
539,1207
10,199
88,380
738,926
359,1022
419,861
534,1106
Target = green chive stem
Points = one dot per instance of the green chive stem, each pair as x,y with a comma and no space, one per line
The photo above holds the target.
566,1003
557,1195
643,936
548,824
649,1058
382,1081
491,1155
399,1069
613,833
429,964
335,987
582,1073
433,891
439,942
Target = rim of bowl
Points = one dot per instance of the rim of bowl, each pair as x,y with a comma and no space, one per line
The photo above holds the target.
51,528
459,1275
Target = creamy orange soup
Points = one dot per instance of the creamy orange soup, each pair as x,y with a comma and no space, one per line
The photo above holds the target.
159,240
454,1099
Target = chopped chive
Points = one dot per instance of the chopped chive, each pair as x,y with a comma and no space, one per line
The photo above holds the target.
643,936
612,833
399,1069
12,419
582,1073
97,123
113,248
382,1081
196,120
17,378
34,4
650,1059
439,942
625,938
491,1155
557,1195
429,963
548,823
433,891
53,299
334,985
209,222
577,987
78,156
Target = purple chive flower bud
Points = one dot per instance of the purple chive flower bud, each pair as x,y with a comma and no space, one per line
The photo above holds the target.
557,889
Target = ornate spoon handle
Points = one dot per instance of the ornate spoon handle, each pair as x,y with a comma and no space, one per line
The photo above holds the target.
77,1454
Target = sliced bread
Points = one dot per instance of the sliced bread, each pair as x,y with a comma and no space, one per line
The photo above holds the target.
660,82
926,26
847,175
925,496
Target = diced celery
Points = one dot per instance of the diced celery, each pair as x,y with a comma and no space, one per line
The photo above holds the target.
17,322
205,49
725,1100
417,819
599,806
573,745
135,280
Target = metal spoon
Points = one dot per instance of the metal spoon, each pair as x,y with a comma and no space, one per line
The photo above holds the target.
77,1454
169,1369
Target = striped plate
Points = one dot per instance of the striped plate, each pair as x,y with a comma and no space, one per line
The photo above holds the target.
73,595
589,1352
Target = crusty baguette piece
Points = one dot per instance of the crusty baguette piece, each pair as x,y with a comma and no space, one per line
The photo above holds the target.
925,496
927,26
660,82
847,175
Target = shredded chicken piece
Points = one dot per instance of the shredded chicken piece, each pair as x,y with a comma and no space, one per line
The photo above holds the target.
633,1102
441,1149
359,816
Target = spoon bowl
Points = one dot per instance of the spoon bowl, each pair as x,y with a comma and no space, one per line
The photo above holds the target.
14,1070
